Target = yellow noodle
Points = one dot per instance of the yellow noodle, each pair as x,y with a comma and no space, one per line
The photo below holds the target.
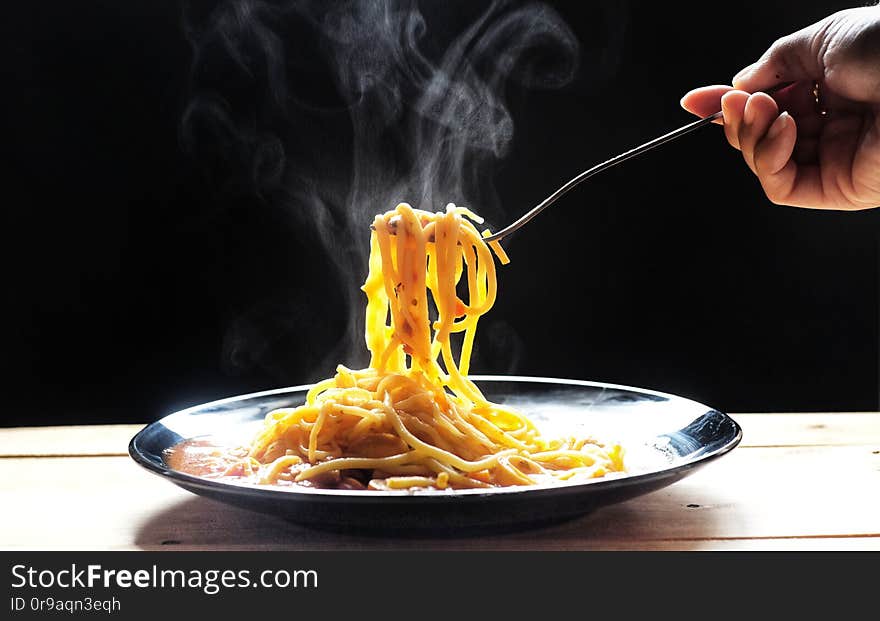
413,418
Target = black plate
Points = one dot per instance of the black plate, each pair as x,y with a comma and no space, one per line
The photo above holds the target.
666,438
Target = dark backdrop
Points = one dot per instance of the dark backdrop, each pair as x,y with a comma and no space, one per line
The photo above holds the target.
145,274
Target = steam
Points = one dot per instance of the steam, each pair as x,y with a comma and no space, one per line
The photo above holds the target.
425,112
449,117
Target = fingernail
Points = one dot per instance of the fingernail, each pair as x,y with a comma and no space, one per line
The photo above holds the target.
688,94
749,113
777,126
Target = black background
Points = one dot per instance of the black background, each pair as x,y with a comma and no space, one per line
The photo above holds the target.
144,275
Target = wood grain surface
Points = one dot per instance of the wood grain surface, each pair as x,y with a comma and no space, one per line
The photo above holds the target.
796,482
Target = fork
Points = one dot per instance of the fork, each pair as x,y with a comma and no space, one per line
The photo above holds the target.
614,161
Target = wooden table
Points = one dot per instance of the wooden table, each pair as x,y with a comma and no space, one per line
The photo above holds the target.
796,482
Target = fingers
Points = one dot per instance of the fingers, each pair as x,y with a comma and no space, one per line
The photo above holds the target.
759,113
768,143
772,159
753,125
767,139
786,182
705,101
733,105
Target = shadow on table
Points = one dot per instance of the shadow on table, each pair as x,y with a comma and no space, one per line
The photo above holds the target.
668,519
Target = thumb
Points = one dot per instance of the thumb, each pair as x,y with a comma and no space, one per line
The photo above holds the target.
790,59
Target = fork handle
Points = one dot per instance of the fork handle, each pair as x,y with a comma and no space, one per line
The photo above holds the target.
656,142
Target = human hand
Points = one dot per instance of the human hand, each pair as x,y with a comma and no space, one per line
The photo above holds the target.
823,151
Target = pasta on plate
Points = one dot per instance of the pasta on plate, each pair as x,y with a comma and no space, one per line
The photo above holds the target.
413,419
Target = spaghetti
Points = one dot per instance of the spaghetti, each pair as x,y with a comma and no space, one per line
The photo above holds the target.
413,419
